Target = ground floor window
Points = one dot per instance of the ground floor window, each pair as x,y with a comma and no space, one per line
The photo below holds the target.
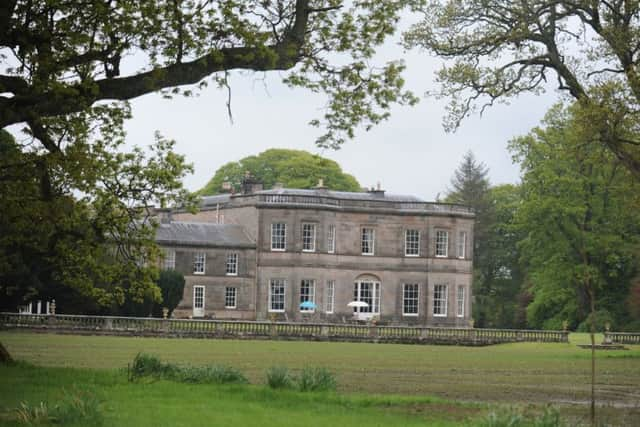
230,297
330,292
440,300
276,295
307,295
367,291
460,301
410,299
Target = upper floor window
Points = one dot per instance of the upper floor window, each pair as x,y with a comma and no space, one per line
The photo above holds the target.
230,297
232,264
331,239
169,260
460,301
462,244
276,295
440,300
442,243
410,299
330,292
368,241
308,237
412,243
199,261
307,295
278,236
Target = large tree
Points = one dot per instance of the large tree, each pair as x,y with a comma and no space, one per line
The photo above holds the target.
497,50
62,57
291,168
75,205
470,186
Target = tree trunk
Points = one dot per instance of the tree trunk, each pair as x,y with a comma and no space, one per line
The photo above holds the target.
592,333
5,357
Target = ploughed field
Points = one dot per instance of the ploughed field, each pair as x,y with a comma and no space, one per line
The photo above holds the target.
498,375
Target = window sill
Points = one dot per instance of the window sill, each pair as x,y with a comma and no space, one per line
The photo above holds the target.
410,314
198,273
439,315
367,254
275,311
231,274
230,308
412,255
442,256
308,250
278,250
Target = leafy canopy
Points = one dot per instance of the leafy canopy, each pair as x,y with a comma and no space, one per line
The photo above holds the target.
291,168
496,50
579,218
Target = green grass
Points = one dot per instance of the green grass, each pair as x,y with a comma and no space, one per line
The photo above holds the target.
165,403
505,374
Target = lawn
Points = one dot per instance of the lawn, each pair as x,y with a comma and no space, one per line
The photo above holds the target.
503,374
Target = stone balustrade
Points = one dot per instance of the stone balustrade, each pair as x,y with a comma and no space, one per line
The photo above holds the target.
137,326
622,337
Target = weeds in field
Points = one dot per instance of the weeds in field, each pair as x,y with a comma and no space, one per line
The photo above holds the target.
516,418
316,379
310,379
146,365
280,377
76,406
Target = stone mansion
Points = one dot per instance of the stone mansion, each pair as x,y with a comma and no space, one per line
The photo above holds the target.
322,255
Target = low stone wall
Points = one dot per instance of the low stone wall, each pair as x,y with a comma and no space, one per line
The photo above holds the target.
112,325
622,337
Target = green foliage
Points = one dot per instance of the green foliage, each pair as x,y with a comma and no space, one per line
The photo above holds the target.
498,50
146,365
63,57
77,407
316,379
292,168
602,319
279,377
517,418
171,284
579,220
76,223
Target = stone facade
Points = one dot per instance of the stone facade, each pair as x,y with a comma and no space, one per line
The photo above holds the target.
408,260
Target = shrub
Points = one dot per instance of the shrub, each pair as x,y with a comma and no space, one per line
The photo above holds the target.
279,377
145,365
217,374
79,405
515,418
316,379
33,415
602,318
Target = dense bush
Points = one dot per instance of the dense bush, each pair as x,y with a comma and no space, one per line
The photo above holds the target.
279,377
515,418
602,317
146,365
316,379
77,406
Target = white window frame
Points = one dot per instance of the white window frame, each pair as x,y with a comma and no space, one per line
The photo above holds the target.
278,242
414,244
199,258
442,242
460,300
308,237
359,294
280,283
369,239
169,260
331,239
440,294
414,297
462,244
309,295
195,288
230,295
231,266
330,293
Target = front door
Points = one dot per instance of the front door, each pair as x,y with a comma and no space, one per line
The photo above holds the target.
198,301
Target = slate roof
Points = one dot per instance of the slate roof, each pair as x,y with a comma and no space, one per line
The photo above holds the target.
218,198
203,234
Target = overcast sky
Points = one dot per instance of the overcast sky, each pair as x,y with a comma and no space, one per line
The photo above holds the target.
408,154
